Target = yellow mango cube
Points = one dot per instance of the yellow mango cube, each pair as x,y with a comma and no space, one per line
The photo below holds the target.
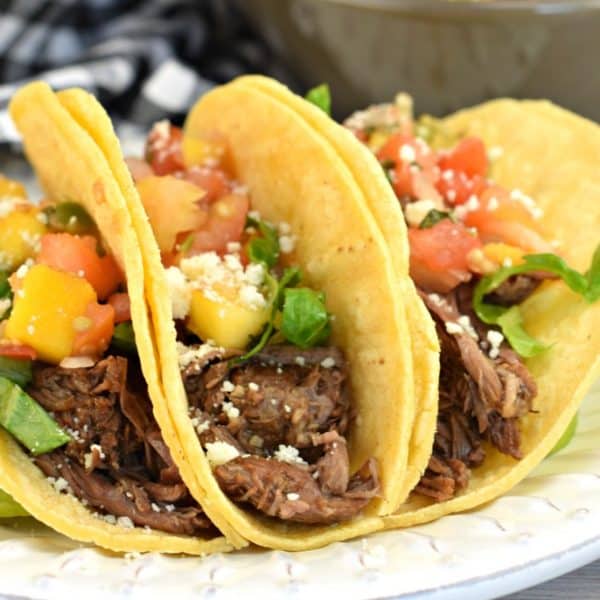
503,254
226,322
46,309
20,232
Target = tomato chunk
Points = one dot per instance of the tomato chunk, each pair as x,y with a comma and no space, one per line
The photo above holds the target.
18,351
120,303
214,182
468,156
438,255
77,255
226,222
163,149
456,188
95,330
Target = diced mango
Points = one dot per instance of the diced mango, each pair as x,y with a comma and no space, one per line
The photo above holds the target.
226,322
46,311
11,188
503,254
20,232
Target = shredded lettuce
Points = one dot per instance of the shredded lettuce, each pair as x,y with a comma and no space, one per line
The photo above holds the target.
510,319
320,96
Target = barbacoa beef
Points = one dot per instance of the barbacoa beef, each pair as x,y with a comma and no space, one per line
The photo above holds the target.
480,397
282,397
117,461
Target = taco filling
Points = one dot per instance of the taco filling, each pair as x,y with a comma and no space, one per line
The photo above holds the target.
267,396
71,387
478,250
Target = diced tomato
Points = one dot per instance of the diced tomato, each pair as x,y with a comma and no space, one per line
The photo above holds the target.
214,182
163,149
456,188
120,302
18,351
94,337
438,255
226,222
78,255
138,168
468,156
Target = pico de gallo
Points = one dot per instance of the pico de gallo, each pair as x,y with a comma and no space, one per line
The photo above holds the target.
477,250
71,388
268,399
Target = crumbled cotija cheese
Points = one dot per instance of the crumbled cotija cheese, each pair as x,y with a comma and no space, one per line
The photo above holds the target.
218,453
179,292
328,363
288,454
292,496
453,328
188,355
415,212
495,338
230,410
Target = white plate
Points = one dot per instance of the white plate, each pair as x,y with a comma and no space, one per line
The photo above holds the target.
546,526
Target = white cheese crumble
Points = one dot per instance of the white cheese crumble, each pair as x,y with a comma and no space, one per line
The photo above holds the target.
188,355
300,360
230,410
287,243
125,522
288,454
328,363
472,204
529,203
8,205
5,304
179,292
218,453
292,496
254,387
155,507
465,322
407,153
60,484
493,204
227,386
453,328
495,338
415,212
212,275
233,247
76,362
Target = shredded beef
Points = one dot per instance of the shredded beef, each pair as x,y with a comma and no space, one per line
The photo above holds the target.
514,290
285,397
481,398
117,461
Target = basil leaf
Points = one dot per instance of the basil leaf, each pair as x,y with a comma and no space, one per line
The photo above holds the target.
567,436
304,319
509,319
320,96
291,276
263,249
433,217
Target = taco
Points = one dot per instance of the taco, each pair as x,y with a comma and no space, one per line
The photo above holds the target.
501,203
80,448
280,321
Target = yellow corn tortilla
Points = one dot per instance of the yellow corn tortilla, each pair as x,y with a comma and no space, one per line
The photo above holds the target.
294,175
553,156
383,204
69,165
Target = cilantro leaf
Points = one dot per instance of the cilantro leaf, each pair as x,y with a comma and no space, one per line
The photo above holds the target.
291,276
320,96
433,217
509,319
305,320
263,249
567,436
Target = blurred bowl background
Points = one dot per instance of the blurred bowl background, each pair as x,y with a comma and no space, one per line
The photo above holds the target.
447,53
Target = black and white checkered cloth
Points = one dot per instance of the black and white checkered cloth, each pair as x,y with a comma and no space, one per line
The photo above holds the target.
143,59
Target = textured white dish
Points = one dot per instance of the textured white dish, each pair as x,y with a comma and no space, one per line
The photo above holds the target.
546,526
